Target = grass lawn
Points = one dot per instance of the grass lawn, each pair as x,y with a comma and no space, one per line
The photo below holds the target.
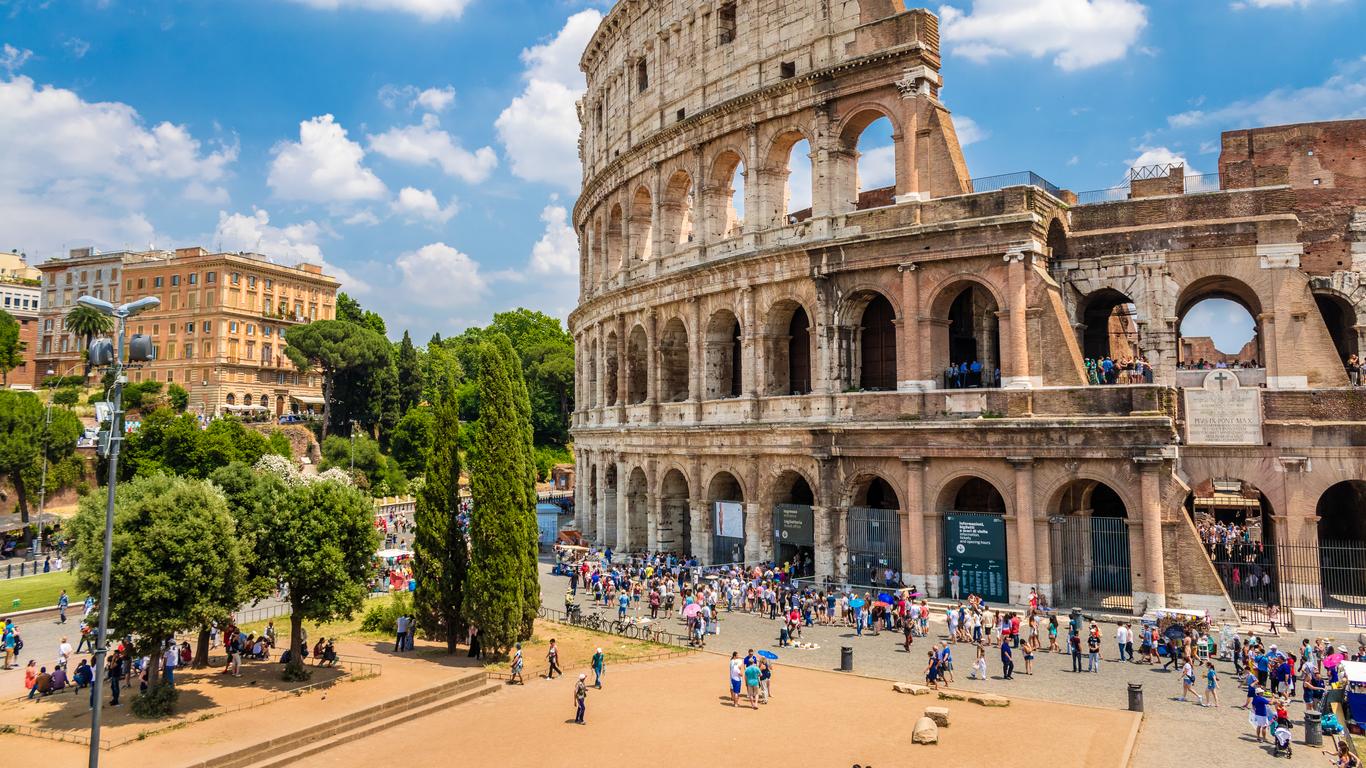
39,591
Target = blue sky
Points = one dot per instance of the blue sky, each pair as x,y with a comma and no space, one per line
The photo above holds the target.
424,149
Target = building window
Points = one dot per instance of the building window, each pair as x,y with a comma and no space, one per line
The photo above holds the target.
642,76
194,278
208,326
130,283
170,350
251,329
142,283
232,327
787,69
189,328
235,278
156,329
270,284
157,282
725,21
189,351
265,330
175,280
251,282
210,277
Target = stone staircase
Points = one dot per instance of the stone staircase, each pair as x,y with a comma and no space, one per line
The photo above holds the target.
289,748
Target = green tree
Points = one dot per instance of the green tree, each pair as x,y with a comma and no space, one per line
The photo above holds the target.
503,512
87,323
529,530
334,347
441,552
440,369
350,310
277,442
178,396
171,442
11,348
25,437
410,375
67,396
411,441
367,460
177,564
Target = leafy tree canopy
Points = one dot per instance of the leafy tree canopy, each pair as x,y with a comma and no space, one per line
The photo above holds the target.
25,436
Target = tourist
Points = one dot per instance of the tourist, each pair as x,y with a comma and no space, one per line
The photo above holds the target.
945,663
64,652
599,665
30,674
1028,650
1344,758
765,680
1211,697
1187,678
1259,719
401,634
953,584
1007,663
115,669
62,602
1093,649
737,675
516,676
1053,634
580,698
552,657
171,658
932,670
42,684
752,684
979,667
1074,643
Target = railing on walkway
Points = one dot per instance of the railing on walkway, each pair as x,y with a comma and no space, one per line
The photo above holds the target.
33,568
633,628
1017,179
1193,184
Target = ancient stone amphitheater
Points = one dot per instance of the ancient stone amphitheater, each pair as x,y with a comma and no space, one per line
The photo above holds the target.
756,382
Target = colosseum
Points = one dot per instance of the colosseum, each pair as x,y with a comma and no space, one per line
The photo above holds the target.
968,384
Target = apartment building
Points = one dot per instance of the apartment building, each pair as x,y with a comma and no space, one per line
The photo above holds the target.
21,296
81,272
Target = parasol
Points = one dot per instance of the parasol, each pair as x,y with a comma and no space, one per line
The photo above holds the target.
856,603
691,610
770,655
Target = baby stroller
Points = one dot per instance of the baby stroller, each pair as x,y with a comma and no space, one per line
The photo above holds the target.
1281,735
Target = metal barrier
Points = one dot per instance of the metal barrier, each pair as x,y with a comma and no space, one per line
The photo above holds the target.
34,568
1017,179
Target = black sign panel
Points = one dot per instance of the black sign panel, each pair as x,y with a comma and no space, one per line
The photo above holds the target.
794,525
975,547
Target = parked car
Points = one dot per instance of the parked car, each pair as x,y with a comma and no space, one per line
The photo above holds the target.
291,418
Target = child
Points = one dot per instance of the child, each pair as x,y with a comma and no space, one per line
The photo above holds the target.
1211,697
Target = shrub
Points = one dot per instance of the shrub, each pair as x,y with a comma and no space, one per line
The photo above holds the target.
383,617
63,381
68,396
156,702
179,397
278,444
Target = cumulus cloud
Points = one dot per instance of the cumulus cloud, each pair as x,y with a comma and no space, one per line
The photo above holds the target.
435,273
427,144
420,205
436,99
410,97
426,10
539,129
13,59
323,166
969,132
557,252
1341,96
290,245
1077,33
1240,5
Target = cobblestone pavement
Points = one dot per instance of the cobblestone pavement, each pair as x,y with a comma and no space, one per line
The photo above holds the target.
1213,737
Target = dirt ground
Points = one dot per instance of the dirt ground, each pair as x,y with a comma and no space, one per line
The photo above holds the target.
681,707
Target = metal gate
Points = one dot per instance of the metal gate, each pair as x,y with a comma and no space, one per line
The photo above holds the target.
1271,580
874,543
1091,562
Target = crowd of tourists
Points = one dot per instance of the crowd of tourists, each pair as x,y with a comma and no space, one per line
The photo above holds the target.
1108,370
1208,365
971,374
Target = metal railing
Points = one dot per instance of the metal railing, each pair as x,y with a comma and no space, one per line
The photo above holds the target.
32,568
1194,184
1017,179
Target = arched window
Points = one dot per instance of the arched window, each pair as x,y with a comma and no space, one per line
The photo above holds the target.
1218,325
637,366
967,350
673,362
865,172
724,358
641,226
676,211
724,197
787,350
877,345
610,394
614,241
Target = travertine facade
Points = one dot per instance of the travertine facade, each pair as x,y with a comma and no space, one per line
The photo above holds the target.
798,361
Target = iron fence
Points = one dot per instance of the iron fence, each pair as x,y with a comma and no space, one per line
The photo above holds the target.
1016,179
1091,565
1268,581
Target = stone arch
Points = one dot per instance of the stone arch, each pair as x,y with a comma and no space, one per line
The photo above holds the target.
614,240
872,529
791,485
637,366
871,488
636,535
676,211
791,500
723,356
674,527
674,362
1091,544
1057,240
246,399
725,491
1223,505
789,348
592,399
641,225
721,216
1229,289
965,329
1341,529
609,389
973,492
231,399
851,191
1342,320
775,195
868,340
1109,325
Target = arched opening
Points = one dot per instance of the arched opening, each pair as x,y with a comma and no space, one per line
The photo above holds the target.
1090,547
967,336
724,357
614,241
724,197
673,362
1234,521
610,394
637,366
787,349
641,226
1340,317
727,502
676,211
875,343
1217,318
675,524
1109,337
607,516
265,401
1057,240
590,521
1341,514
593,373
636,536
974,537
246,399
874,533
794,525
785,181
866,165
231,399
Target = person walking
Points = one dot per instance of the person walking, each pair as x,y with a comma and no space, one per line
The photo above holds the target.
401,636
552,657
516,676
172,658
62,603
1211,697
580,697
1187,678
752,676
1093,652
1007,662
1074,642
737,675
114,671
599,663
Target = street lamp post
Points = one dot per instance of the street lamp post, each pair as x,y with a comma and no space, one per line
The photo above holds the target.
120,315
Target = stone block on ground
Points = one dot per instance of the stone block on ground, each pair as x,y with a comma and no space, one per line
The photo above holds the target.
911,688
989,700
940,715
925,732
952,696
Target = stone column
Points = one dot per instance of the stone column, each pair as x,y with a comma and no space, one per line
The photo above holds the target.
753,200
580,490
655,190
652,508
1015,374
823,380
600,396
696,345
600,506
749,345
699,212
621,372
652,364
1150,487
1024,527
914,541
824,543
623,510
840,530
1266,331
699,526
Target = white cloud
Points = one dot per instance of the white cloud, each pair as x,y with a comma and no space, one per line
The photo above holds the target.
410,97
364,217
436,99
292,244
539,129
13,59
1161,156
557,252
1341,96
324,166
969,132
1240,5
426,10
76,46
427,144
435,274
421,205
1077,33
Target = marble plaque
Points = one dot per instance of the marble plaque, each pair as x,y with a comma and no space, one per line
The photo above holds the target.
1220,412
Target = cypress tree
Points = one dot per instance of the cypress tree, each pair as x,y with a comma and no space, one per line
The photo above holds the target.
496,592
441,554
409,375
530,531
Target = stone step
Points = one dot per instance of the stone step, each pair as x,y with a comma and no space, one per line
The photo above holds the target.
252,755
378,726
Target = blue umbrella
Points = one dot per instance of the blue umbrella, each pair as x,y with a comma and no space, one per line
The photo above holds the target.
886,598
856,603
770,655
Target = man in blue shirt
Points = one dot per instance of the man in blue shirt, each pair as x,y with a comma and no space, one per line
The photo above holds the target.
1007,663
623,601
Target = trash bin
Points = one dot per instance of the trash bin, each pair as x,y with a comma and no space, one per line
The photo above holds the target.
846,659
1135,697
1313,729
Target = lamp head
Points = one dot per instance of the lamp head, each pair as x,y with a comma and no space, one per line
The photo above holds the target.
99,305
141,305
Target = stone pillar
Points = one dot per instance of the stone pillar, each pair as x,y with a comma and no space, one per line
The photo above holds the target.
750,347
699,526
623,510
1015,374
1150,487
696,346
912,83
824,543
840,531
914,538
652,508
824,381
581,507
600,511
753,200
652,364
1043,557
655,190
600,396
916,379
754,534
1024,527
621,372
